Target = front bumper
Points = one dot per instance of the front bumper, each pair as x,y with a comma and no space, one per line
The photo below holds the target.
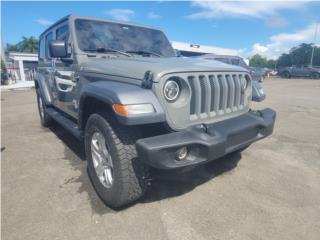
206,143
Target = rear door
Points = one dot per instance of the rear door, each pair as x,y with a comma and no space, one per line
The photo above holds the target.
46,67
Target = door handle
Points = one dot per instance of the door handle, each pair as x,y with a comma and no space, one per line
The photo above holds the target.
68,83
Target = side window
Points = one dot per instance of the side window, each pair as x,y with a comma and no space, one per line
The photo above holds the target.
62,33
235,61
49,37
243,64
42,49
225,60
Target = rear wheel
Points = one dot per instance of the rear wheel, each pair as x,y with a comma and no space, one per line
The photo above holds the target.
44,117
113,166
286,75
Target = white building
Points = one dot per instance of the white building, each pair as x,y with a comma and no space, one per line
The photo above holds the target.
22,65
189,49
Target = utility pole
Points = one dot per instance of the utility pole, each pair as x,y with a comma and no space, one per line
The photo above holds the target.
314,44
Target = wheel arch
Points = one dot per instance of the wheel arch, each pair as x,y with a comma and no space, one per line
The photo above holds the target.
101,95
90,104
41,88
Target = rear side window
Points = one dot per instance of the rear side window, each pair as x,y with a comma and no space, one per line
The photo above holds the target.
42,50
243,64
235,61
225,60
62,32
49,37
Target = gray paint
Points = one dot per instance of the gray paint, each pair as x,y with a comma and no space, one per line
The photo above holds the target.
117,79
116,92
135,67
178,113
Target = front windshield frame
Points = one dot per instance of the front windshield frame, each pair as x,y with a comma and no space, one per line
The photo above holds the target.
169,49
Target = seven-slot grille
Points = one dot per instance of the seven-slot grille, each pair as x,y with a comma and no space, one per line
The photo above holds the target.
216,94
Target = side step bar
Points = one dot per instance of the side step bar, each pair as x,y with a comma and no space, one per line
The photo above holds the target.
65,122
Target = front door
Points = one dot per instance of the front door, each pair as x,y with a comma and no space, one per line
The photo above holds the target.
298,71
66,85
65,80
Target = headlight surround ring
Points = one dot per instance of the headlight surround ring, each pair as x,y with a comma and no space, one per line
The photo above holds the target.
245,82
172,89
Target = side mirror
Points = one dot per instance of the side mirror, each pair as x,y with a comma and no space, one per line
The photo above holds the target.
58,49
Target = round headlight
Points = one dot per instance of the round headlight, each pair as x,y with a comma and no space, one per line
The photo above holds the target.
171,90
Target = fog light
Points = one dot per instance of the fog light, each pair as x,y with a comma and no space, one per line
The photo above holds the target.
182,153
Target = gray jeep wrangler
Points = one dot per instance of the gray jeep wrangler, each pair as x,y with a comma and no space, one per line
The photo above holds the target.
121,89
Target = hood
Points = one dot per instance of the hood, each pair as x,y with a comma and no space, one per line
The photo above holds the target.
135,67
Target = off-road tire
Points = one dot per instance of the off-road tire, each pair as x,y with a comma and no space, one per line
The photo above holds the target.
129,174
45,119
315,75
286,75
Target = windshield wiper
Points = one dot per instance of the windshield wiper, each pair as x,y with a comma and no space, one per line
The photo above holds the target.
141,52
105,50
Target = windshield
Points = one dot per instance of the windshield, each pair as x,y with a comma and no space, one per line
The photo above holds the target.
93,35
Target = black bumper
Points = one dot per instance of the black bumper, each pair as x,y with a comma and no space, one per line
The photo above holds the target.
206,143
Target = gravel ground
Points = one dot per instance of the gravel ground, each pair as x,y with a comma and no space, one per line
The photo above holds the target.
270,191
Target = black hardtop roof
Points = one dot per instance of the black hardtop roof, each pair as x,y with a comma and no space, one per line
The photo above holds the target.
212,55
93,18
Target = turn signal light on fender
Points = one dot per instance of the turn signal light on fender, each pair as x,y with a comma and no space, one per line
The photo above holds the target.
133,109
120,109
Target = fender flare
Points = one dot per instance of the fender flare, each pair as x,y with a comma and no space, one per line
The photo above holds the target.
110,92
39,81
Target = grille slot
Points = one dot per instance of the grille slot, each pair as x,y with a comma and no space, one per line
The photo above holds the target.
193,98
203,93
215,94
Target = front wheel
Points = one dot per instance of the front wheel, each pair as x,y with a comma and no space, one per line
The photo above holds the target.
315,75
45,119
113,165
287,75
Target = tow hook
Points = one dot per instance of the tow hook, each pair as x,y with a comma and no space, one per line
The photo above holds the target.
256,112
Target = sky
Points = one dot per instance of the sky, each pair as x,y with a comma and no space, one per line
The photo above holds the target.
268,28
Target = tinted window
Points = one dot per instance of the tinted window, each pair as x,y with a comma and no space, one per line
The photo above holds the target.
243,64
190,53
49,37
235,61
42,49
62,33
225,60
92,35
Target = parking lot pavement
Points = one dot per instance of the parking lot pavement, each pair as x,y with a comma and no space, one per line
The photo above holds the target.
270,191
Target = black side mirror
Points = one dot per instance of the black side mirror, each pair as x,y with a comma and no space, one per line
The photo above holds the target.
58,49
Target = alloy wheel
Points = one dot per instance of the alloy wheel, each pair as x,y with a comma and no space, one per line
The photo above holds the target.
102,160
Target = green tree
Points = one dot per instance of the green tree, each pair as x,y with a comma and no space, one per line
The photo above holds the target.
316,56
28,45
301,55
272,64
258,61
284,60
4,75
